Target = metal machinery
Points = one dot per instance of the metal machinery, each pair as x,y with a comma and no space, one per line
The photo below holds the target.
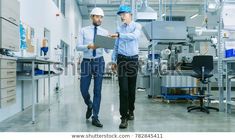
171,50
166,55
173,45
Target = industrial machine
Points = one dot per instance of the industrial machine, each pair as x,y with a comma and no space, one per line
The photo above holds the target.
170,53
173,44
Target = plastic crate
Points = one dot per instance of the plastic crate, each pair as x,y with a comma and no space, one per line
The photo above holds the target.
230,53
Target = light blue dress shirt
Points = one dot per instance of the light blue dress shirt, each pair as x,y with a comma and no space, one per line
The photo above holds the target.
85,38
128,42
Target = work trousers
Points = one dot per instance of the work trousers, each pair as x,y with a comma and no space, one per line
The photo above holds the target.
89,68
127,74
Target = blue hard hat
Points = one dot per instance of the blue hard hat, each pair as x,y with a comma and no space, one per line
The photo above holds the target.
124,9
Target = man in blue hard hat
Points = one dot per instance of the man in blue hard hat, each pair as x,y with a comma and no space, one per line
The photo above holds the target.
125,60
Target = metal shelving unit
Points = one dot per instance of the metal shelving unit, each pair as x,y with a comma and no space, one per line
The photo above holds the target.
220,61
229,75
36,61
223,74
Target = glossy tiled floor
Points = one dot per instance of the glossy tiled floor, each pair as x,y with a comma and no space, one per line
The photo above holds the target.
150,115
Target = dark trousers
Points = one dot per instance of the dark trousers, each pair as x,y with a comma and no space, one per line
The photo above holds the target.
127,74
91,68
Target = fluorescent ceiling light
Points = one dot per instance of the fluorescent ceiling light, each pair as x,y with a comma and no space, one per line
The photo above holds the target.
193,16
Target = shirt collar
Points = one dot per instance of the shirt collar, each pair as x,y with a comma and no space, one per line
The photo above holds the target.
92,26
125,25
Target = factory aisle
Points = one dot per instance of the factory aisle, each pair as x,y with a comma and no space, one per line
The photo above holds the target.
150,116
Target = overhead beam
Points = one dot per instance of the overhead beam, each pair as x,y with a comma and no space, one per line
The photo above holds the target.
83,8
151,5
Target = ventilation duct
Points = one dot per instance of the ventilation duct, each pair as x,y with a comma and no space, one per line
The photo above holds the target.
146,13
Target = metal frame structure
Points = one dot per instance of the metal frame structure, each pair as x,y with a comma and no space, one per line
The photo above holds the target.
223,65
36,61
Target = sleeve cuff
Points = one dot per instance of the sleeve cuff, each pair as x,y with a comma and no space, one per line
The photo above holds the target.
114,62
120,35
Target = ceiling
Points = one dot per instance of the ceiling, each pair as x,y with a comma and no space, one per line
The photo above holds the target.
179,7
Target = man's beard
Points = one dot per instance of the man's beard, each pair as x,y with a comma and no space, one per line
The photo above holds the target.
96,24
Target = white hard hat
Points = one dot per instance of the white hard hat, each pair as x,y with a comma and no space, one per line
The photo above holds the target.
97,11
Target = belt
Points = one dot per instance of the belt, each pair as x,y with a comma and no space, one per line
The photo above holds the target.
120,56
93,59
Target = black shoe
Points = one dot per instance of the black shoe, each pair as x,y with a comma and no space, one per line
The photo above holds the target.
88,112
131,116
97,123
123,124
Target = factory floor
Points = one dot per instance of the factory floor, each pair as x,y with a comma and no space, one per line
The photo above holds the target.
151,115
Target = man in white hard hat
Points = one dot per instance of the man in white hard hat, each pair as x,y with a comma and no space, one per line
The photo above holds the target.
92,64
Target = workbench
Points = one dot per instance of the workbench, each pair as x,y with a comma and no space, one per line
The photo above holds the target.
32,77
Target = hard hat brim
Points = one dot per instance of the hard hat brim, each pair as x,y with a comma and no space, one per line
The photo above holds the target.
120,12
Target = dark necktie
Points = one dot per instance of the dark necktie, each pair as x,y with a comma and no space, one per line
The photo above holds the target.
95,33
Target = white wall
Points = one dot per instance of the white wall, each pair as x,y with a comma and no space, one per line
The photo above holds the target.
40,14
